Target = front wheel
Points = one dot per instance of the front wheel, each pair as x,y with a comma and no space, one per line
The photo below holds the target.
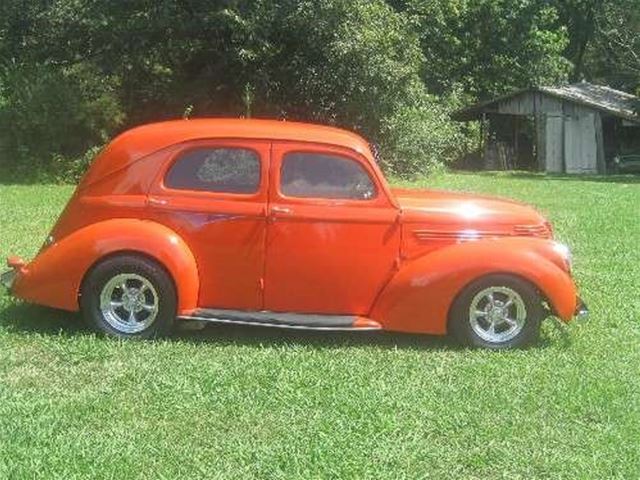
497,312
129,296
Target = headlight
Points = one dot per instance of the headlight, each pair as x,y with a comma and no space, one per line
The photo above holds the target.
564,251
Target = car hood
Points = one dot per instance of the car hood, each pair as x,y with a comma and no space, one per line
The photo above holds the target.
451,215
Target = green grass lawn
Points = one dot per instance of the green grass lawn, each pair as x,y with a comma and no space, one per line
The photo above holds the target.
254,403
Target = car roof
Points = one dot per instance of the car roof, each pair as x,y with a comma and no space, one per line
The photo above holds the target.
139,142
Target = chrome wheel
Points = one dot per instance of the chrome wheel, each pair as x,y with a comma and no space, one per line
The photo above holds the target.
497,314
129,303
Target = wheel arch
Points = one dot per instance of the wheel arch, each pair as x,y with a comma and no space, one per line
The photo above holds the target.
122,253
432,283
54,278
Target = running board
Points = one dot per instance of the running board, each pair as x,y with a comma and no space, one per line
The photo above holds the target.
284,320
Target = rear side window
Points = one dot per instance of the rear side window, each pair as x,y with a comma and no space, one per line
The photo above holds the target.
317,175
225,170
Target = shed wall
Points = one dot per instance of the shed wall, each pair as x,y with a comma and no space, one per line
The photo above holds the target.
580,149
554,144
571,137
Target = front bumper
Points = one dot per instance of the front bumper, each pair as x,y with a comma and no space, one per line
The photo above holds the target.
7,279
582,311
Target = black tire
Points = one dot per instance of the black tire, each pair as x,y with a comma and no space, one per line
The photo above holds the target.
160,289
460,323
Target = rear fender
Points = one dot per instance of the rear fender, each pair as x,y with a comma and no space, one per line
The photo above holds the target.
55,276
420,295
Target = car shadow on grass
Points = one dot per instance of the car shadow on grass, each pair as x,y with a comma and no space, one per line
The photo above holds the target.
23,318
27,319
265,336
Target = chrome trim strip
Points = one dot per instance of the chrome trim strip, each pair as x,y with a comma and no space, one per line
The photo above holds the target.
539,231
275,325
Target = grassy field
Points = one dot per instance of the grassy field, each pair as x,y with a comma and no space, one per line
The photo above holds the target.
253,403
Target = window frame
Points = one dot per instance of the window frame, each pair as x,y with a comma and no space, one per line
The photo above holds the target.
214,144
327,153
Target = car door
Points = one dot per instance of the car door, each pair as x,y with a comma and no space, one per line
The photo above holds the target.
333,236
213,193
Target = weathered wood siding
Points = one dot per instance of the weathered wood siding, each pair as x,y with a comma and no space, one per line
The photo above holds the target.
580,149
570,135
554,143
529,103
601,161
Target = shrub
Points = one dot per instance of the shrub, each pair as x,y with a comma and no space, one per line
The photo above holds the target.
51,117
420,137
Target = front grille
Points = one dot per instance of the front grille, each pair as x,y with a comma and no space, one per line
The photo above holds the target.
541,230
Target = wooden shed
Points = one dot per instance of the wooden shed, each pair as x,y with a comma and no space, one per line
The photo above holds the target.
579,128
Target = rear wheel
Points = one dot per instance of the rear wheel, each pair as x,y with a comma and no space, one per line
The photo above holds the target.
497,312
129,296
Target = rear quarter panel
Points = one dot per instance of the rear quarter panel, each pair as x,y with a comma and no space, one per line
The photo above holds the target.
55,276
122,194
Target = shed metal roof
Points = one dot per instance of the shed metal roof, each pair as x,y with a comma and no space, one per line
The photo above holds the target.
606,99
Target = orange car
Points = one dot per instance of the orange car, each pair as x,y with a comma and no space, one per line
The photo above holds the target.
289,225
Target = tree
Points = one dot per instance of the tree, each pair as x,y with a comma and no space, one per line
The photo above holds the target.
604,40
616,53
488,47
349,63
579,17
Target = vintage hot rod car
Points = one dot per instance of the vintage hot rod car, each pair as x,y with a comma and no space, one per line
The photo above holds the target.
290,225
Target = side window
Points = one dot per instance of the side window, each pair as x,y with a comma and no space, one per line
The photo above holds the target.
225,170
317,175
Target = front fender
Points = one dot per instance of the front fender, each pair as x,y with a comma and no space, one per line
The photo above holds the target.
54,277
419,296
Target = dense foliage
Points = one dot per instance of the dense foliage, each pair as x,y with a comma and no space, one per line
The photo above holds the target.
73,73
489,47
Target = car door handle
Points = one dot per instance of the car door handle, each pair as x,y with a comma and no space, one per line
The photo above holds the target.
157,201
281,210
